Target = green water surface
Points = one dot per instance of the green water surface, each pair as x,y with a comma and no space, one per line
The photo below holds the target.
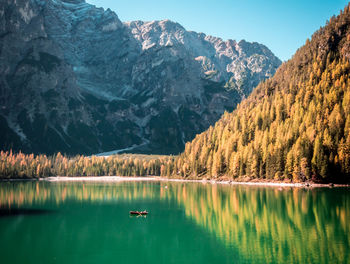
42,222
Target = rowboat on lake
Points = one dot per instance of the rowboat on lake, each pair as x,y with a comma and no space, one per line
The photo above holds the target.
138,212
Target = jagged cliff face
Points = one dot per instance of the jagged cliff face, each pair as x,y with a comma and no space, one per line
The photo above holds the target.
75,79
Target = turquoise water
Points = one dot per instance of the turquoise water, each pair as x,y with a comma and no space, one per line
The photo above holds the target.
43,222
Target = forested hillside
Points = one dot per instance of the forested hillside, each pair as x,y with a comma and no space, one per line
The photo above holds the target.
294,126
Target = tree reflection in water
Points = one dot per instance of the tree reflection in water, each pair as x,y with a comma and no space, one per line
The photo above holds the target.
272,224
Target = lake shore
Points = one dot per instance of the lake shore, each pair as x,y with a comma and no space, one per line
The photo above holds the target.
254,182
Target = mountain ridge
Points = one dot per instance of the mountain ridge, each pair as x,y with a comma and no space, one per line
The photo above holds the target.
76,69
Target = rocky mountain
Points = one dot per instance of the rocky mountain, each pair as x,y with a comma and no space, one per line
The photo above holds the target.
75,79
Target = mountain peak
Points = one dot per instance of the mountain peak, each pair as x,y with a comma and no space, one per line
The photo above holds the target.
165,24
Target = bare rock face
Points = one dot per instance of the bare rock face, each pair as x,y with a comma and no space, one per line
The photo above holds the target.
75,79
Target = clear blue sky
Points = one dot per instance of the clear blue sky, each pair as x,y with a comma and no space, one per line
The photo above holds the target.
281,25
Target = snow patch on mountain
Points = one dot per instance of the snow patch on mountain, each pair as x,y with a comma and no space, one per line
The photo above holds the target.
110,27
27,13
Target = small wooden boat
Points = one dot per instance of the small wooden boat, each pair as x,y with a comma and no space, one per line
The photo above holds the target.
138,212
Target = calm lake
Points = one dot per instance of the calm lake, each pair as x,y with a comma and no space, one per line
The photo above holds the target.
63,222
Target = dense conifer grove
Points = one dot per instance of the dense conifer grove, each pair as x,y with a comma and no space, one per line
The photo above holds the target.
22,166
294,126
